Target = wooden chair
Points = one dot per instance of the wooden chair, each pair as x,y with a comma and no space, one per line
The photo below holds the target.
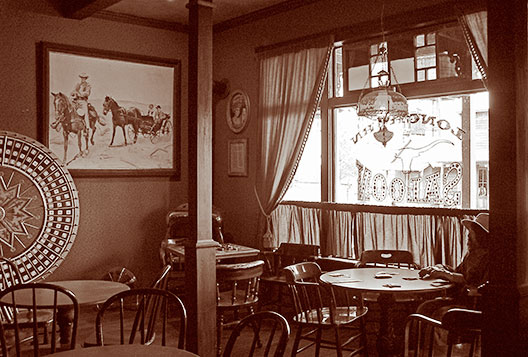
176,275
462,326
273,280
261,324
30,298
154,304
391,259
130,304
336,263
237,289
387,258
11,276
321,307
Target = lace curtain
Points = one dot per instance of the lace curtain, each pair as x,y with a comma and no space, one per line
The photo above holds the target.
290,89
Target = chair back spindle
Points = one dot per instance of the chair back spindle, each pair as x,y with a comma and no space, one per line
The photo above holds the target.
152,303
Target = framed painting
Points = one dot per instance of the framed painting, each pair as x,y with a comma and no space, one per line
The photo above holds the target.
237,114
237,157
108,113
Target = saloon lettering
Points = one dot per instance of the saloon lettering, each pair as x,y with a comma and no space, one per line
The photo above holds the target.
439,186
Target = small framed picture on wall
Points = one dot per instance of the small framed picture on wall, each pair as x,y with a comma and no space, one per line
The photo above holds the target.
237,114
237,157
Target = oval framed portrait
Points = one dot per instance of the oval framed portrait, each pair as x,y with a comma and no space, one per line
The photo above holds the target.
237,114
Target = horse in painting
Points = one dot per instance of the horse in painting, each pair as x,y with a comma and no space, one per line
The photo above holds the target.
122,117
71,122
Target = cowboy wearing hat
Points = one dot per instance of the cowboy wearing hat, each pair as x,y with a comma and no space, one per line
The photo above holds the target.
473,270
471,273
80,95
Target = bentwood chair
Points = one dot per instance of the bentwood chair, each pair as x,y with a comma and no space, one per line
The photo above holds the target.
320,307
32,299
112,329
237,290
462,327
248,336
142,324
11,276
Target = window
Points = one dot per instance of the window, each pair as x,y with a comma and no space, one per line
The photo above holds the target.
306,184
379,64
425,56
437,156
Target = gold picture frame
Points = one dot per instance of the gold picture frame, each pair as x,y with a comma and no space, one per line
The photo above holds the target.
138,136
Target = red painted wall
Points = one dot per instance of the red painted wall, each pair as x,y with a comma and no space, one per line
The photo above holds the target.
235,59
122,220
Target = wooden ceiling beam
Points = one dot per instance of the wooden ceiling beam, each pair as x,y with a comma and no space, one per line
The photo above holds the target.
81,9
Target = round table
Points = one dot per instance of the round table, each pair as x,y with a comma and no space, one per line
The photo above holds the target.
126,350
395,281
87,292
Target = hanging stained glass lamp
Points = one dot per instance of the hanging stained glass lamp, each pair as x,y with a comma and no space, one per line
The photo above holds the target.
383,102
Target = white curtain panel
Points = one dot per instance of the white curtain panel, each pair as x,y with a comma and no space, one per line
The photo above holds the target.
290,89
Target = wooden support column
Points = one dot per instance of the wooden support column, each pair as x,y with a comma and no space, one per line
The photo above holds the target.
200,262
507,42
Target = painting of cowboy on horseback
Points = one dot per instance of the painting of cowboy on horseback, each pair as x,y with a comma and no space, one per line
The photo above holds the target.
79,95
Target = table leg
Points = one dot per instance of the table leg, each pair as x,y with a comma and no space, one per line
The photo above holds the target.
387,344
65,322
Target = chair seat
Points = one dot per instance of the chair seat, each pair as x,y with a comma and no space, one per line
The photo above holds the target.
343,315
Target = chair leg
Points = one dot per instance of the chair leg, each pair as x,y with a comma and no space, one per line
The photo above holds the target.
363,337
45,330
318,341
219,325
339,352
296,342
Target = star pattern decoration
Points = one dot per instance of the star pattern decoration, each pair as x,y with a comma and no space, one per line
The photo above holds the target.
13,214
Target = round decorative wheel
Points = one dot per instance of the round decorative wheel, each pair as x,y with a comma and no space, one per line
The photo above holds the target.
155,137
168,128
39,207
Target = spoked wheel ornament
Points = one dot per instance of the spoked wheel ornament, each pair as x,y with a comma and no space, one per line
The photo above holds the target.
39,207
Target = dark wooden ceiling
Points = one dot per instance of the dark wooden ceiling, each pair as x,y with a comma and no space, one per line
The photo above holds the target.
173,14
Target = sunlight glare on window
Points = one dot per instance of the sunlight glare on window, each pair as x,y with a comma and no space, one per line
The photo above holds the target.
306,184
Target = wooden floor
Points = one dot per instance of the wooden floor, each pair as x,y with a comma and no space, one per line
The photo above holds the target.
86,331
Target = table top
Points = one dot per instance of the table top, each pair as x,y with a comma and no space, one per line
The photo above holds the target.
135,350
87,292
226,250
396,281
